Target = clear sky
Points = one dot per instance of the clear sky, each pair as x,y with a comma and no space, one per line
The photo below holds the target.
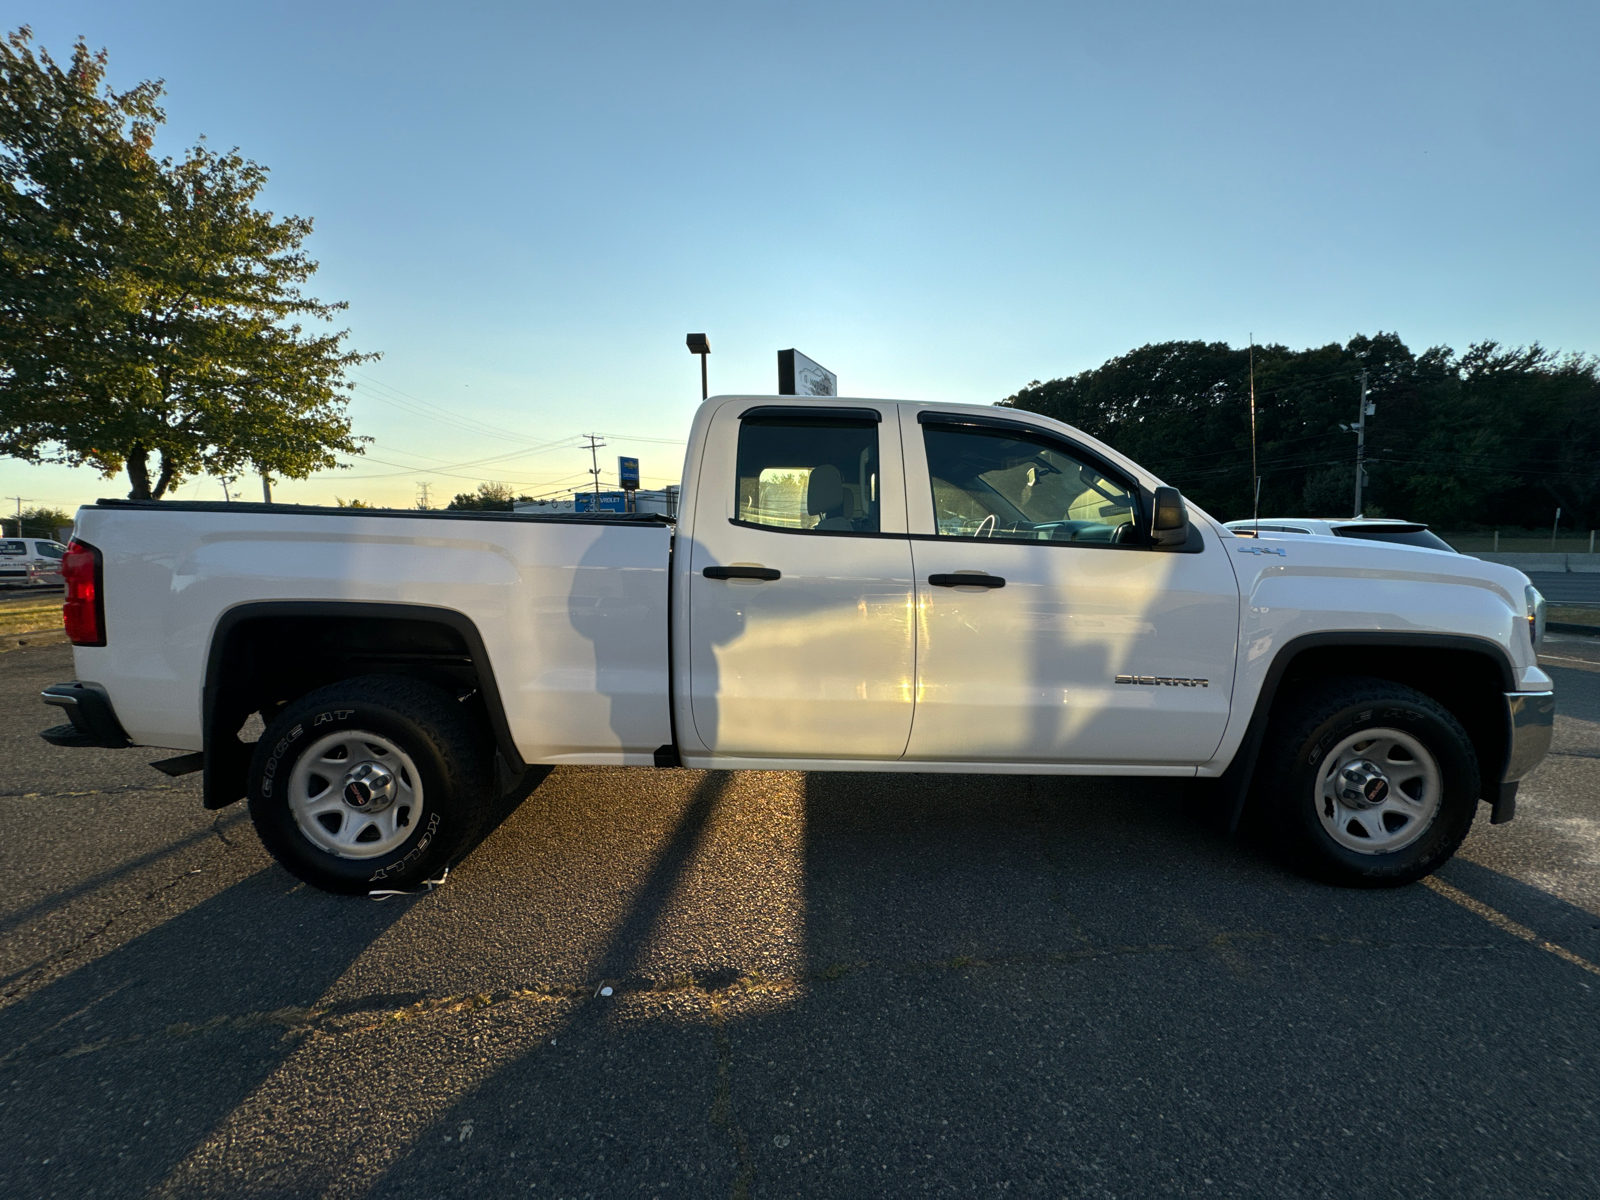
528,206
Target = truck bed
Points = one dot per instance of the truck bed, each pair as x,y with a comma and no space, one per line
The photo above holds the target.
570,610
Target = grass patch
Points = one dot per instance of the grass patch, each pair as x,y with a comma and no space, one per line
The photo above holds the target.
27,618
1573,614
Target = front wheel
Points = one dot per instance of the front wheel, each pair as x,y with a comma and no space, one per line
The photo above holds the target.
374,782
1367,783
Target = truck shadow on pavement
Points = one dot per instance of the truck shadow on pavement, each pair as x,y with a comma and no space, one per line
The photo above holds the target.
822,985
1060,986
139,1053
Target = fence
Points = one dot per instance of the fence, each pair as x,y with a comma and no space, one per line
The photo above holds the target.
1521,541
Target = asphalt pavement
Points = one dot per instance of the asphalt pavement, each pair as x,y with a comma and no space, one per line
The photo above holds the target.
820,985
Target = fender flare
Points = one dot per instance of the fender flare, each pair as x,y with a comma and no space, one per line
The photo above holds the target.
1233,785
509,765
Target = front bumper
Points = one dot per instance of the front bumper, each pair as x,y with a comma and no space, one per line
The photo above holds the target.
1530,724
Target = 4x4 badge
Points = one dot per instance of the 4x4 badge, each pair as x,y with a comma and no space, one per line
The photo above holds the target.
1263,550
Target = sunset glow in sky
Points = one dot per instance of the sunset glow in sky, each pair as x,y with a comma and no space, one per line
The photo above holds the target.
529,206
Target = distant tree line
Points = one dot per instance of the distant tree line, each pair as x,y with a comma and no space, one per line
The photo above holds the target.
37,522
1496,436
490,497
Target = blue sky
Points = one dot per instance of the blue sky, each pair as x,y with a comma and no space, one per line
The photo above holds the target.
528,206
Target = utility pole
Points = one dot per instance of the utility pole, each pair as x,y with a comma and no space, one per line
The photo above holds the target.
1361,439
19,500
594,457
422,495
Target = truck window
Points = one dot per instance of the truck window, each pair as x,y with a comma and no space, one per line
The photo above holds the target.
993,483
820,475
50,549
13,547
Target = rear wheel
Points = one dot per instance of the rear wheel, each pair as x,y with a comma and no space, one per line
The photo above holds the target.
373,782
1367,783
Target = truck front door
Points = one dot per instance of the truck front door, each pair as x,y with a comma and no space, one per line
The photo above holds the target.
800,613
1074,642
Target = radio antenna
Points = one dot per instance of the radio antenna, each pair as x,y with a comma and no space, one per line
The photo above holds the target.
1255,473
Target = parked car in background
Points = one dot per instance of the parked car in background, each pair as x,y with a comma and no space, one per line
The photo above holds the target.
1372,529
31,561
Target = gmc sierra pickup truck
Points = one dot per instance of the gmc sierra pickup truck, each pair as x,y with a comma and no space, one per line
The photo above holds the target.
851,585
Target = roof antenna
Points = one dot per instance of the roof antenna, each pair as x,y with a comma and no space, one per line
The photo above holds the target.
1255,473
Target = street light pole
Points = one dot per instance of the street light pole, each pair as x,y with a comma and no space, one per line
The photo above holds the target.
699,344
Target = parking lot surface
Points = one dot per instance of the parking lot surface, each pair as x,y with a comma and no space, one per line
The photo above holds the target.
820,985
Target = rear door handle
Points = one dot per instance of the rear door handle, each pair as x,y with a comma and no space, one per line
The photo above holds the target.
766,574
964,580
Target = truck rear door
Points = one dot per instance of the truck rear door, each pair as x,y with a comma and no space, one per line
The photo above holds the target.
800,615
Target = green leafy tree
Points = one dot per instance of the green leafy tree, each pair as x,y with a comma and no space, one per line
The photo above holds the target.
151,316
490,497
1494,436
36,522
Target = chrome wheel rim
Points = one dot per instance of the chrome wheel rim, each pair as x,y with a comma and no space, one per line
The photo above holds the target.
1378,791
355,794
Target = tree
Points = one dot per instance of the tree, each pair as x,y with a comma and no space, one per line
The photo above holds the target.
37,522
148,308
1494,436
490,497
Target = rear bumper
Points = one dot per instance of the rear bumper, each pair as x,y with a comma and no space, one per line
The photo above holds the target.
88,707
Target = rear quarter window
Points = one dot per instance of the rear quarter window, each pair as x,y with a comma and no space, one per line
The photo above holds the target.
13,547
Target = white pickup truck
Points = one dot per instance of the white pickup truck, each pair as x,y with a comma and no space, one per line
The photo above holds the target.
851,585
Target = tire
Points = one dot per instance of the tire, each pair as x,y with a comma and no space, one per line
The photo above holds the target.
374,782
1367,783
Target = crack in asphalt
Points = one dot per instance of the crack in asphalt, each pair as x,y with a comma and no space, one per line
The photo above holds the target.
722,1114
376,1012
21,981
110,791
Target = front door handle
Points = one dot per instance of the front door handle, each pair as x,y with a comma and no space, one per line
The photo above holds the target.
966,580
765,574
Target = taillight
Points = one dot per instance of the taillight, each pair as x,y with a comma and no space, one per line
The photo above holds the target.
84,613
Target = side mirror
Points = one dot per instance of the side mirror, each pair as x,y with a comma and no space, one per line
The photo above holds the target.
1169,522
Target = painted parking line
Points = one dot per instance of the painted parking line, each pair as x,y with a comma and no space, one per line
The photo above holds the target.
1500,921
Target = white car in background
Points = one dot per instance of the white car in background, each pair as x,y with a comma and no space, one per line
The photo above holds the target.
31,561
1371,529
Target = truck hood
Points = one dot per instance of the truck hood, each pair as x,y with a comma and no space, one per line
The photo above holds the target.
1310,584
